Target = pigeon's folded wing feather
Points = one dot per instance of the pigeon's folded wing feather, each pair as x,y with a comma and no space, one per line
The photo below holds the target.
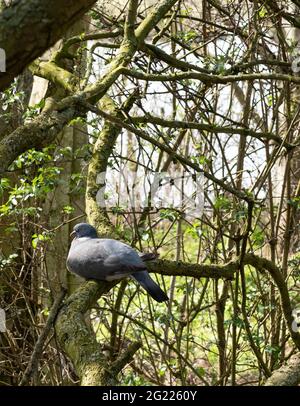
103,259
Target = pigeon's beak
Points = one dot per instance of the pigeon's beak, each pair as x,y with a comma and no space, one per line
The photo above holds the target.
73,233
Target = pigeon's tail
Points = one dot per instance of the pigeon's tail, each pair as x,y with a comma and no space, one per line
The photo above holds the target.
144,279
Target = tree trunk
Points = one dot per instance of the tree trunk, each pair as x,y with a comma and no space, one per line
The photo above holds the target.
29,27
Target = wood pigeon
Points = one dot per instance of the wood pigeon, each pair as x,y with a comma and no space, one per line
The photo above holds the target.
105,259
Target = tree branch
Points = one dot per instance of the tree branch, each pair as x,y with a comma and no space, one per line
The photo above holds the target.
142,134
278,278
29,27
287,375
209,78
147,118
76,338
173,268
39,346
44,129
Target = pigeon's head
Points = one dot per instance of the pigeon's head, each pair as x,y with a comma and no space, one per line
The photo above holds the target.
84,230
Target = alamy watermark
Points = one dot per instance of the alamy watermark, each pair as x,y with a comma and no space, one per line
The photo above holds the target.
296,64
2,321
2,60
125,189
295,58
296,320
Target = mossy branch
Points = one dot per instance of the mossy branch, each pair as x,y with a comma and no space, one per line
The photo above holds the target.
213,271
75,337
29,27
79,342
17,142
50,71
102,150
288,374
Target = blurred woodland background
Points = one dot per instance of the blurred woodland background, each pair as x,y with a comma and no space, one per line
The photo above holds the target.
205,92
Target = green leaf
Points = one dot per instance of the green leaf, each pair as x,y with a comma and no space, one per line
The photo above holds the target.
262,12
68,209
222,202
200,371
34,242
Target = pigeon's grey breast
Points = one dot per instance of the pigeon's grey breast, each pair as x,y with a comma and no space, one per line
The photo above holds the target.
103,259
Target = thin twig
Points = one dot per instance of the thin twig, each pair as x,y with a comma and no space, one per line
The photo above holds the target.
37,352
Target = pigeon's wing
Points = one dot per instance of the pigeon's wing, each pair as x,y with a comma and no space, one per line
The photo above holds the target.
122,260
103,259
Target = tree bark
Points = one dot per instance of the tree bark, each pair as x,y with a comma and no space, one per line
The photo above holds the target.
80,344
286,375
29,27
